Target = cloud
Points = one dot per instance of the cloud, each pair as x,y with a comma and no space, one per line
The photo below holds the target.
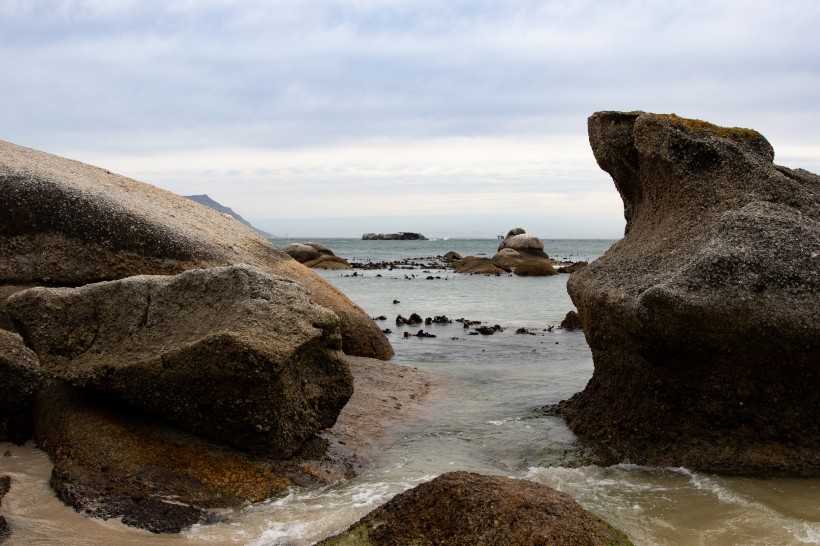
355,96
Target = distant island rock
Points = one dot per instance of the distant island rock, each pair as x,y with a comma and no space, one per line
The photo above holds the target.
204,199
400,236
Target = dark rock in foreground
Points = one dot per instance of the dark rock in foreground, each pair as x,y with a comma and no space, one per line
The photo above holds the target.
466,509
704,320
5,532
229,353
65,223
401,236
111,461
572,321
20,380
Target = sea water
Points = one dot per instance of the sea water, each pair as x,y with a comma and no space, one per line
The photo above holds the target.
490,418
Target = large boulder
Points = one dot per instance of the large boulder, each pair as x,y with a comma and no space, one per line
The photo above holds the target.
704,320
230,353
20,380
66,223
465,509
111,460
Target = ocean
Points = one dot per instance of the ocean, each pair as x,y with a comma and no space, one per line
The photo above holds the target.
491,419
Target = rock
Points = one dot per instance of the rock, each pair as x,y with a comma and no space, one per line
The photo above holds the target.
5,531
20,380
572,268
111,461
572,322
704,320
401,236
540,268
231,353
463,508
517,239
301,253
523,264
329,262
322,249
415,318
452,257
66,223
482,266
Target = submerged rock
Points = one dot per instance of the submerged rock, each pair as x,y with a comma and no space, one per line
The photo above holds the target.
65,223
572,322
465,509
228,353
704,320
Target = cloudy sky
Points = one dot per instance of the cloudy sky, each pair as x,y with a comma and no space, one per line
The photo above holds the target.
337,117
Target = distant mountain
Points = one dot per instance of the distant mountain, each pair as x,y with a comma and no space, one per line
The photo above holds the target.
208,202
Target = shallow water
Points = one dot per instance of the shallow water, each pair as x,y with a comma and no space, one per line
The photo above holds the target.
489,420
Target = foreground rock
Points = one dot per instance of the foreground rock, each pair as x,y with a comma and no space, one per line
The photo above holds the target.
401,236
462,508
111,460
704,321
64,223
229,353
20,380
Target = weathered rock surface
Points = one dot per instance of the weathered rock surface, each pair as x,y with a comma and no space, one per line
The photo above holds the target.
66,223
572,268
704,320
400,236
20,380
478,265
231,353
465,509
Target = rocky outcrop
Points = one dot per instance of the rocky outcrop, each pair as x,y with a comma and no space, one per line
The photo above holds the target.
478,265
400,236
64,223
524,255
301,253
20,380
463,508
573,267
704,320
315,256
230,353
523,264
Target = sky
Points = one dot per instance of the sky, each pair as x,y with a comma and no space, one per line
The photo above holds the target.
451,118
